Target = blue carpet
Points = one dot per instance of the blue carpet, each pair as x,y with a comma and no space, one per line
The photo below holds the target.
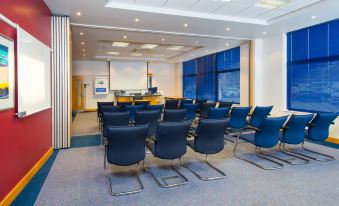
29,194
86,141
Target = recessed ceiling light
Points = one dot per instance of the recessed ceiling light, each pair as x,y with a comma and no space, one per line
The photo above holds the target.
148,46
313,17
185,25
81,33
83,50
120,44
227,44
192,55
264,32
175,48
136,20
271,4
113,53
136,54
227,29
125,37
207,51
82,43
79,13
197,42
162,39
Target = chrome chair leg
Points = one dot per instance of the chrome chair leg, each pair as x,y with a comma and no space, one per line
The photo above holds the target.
184,180
140,189
223,175
279,165
328,157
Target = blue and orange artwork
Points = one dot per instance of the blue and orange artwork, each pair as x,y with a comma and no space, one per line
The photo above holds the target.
4,84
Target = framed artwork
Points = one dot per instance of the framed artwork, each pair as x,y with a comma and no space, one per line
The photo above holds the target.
6,73
101,85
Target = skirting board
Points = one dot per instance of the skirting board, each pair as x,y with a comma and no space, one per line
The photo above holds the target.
333,140
25,180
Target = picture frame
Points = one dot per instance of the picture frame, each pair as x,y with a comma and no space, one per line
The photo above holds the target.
7,73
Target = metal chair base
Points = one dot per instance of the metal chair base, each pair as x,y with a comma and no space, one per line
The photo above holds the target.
260,154
138,190
184,180
223,175
328,157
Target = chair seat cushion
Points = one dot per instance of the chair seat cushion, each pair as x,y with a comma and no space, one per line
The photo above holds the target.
248,137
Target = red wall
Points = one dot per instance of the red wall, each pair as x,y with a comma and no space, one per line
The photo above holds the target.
23,141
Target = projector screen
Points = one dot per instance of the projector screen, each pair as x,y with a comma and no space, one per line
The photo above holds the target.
34,84
128,75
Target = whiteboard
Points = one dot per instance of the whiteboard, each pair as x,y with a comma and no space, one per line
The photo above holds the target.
34,80
128,75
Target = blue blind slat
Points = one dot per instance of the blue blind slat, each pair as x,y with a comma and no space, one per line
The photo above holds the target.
334,38
318,41
300,38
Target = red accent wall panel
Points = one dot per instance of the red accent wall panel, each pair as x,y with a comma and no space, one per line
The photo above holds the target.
23,141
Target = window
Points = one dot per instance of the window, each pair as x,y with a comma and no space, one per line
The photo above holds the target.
189,79
228,72
206,78
313,68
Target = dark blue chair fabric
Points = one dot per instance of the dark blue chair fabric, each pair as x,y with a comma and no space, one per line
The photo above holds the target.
123,105
99,104
126,145
114,119
225,104
132,109
268,134
218,113
170,142
174,115
209,136
148,117
294,130
159,107
206,107
111,108
259,114
191,109
185,101
200,102
238,118
144,103
171,104
319,126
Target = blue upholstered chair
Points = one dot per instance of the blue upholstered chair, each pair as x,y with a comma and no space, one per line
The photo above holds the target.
150,117
174,115
99,104
318,130
218,113
107,108
206,107
258,115
143,102
200,102
170,144
225,104
125,147
237,122
114,119
191,110
171,104
185,101
123,105
208,139
132,109
266,136
155,107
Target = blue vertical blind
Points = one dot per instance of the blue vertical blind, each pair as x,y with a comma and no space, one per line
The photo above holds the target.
313,68
228,71
212,76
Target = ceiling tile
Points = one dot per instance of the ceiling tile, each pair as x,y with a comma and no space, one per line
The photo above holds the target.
179,4
253,12
230,8
207,6
298,4
122,1
150,3
272,14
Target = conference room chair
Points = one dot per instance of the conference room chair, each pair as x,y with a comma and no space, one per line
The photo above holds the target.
208,139
318,131
191,110
258,115
174,115
99,104
266,136
200,102
218,113
293,133
237,121
171,104
225,104
170,144
185,101
113,119
206,107
155,107
150,117
132,109
123,105
105,109
142,102
125,147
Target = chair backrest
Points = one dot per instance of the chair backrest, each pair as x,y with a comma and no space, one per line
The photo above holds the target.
210,136
239,117
111,108
174,115
268,135
114,119
150,117
143,102
155,107
200,102
126,145
259,114
191,109
123,105
225,104
320,125
105,103
132,109
206,107
185,101
171,104
171,139
218,113
294,131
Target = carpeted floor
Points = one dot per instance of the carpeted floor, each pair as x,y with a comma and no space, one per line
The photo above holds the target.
77,178
85,123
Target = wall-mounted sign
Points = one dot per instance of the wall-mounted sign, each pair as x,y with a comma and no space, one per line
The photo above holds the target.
101,85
